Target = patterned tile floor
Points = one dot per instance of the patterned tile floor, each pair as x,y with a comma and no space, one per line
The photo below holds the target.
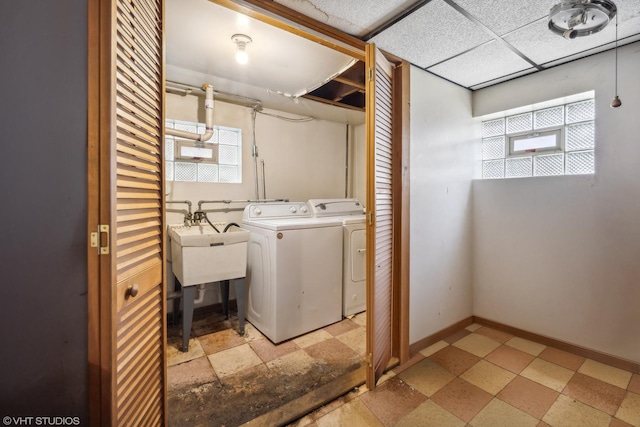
482,377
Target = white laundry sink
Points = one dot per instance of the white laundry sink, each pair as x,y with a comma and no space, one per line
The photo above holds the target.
200,254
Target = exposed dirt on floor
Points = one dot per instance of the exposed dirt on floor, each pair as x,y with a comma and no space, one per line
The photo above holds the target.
236,399
245,396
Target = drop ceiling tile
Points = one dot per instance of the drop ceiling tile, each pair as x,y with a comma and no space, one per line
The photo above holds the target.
502,16
484,63
503,78
629,15
430,35
353,17
540,45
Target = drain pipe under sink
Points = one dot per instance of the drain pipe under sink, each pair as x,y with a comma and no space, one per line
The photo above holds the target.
208,109
200,294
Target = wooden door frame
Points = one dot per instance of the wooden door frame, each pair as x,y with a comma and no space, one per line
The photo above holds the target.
289,20
93,214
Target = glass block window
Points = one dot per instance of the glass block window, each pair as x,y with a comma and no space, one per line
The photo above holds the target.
571,126
226,142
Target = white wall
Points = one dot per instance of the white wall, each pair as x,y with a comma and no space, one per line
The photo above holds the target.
560,256
303,160
359,164
441,148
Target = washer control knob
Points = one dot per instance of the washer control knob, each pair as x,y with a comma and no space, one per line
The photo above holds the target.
303,209
293,209
257,211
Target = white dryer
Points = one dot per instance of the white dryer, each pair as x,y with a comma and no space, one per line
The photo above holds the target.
294,269
354,270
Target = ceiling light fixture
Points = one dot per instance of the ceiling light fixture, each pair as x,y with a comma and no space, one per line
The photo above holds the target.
241,40
580,18
616,100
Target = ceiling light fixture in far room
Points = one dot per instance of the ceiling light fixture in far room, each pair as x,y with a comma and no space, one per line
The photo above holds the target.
616,100
580,18
241,41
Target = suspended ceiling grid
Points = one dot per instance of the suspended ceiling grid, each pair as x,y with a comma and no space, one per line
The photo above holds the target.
469,42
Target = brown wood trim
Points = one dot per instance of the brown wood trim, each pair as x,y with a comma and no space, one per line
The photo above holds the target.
301,406
93,271
401,206
562,345
334,103
440,335
275,14
350,82
106,52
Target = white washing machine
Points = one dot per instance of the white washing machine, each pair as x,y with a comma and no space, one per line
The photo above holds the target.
354,270
294,269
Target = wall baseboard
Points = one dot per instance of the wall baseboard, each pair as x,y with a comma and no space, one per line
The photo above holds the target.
618,362
440,335
615,361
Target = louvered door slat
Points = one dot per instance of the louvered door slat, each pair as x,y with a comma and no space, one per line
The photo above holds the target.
127,85
137,173
140,110
123,239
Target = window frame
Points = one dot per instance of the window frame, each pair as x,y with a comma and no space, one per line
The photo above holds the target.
557,148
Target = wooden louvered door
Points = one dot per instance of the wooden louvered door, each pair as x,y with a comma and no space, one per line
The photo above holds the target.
380,212
132,331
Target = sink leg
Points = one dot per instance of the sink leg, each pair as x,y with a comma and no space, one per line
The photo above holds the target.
240,298
188,296
224,293
177,287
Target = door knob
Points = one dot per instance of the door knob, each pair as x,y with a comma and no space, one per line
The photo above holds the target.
132,291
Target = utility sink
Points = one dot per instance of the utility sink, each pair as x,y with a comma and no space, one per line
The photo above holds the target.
201,255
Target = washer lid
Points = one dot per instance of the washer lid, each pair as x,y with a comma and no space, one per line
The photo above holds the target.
281,224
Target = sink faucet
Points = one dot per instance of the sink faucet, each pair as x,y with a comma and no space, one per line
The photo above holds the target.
188,216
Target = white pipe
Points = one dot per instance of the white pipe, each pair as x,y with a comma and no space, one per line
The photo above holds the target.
208,110
200,295
254,152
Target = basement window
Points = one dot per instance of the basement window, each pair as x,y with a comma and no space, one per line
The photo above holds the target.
544,140
217,160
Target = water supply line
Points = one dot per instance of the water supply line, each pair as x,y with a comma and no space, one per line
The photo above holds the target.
188,217
228,202
254,152
208,110
199,296
264,181
346,166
